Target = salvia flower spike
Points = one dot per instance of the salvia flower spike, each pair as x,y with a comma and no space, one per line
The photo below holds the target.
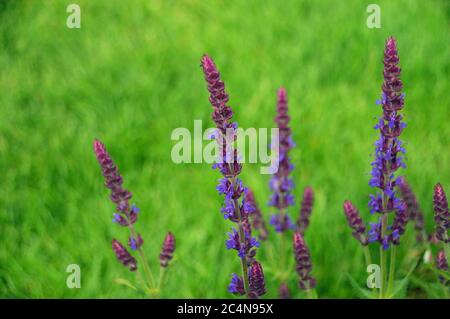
305,210
125,215
235,208
389,150
281,184
441,214
414,212
355,222
123,255
303,263
257,286
167,250
441,264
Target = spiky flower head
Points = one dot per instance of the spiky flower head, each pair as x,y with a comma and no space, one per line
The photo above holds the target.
257,286
441,213
123,255
442,264
388,149
167,250
236,207
125,215
303,263
281,184
355,222
305,210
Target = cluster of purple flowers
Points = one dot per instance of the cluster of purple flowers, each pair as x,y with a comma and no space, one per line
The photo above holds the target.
126,216
281,183
305,210
389,156
389,153
236,206
303,263
441,214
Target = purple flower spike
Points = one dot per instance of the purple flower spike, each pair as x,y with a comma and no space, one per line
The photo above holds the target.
114,181
283,291
441,213
236,207
123,255
355,222
236,285
281,184
305,210
256,217
303,263
218,97
167,250
257,286
414,212
441,264
388,149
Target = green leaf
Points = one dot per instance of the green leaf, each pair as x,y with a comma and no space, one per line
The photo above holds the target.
401,285
124,282
364,293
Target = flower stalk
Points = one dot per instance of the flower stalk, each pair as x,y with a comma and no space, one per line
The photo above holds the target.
236,208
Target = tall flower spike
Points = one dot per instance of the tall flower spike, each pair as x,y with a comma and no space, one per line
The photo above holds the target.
114,181
388,149
413,210
441,213
236,207
441,264
257,219
355,222
305,210
167,250
123,255
303,263
256,280
281,184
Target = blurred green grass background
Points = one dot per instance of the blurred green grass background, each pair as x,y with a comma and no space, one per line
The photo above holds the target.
131,75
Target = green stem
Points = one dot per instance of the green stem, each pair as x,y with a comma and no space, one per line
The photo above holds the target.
391,272
144,262
311,293
162,272
367,255
383,257
282,249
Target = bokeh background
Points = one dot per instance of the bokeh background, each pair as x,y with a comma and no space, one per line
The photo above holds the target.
131,75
